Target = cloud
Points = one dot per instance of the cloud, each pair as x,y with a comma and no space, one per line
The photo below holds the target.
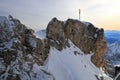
39,12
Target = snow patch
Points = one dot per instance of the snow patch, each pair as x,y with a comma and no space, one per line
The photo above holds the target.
95,36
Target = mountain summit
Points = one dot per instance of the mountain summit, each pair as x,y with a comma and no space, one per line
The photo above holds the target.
83,34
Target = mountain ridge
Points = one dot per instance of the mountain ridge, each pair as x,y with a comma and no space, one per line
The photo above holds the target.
24,56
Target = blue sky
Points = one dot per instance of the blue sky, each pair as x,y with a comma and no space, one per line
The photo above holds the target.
37,13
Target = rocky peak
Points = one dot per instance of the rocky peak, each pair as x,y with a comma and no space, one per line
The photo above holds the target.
21,53
83,34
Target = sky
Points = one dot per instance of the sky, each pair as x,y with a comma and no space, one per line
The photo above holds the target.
37,13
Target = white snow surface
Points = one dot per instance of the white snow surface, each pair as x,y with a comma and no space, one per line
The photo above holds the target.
65,65
41,34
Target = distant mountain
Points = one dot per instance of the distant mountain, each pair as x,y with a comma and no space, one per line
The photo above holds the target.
112,57
41,34
112,36
113,53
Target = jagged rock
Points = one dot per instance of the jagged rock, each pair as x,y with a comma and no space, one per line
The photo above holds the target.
55,34
5,32
100,49
83,34
40,51
21,53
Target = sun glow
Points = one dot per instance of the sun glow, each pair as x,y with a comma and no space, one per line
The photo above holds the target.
37,13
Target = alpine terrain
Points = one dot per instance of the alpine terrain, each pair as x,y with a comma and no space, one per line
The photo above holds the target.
66,50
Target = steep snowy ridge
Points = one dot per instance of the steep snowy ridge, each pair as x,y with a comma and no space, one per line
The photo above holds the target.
72,64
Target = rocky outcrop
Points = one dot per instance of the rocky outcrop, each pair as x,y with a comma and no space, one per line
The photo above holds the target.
83,34
21,53
100,49
56,35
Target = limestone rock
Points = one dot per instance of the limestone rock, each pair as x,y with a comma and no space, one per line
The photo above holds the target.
55,34
100,49
83,34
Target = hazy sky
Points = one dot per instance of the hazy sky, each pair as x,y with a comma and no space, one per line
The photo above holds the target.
37,13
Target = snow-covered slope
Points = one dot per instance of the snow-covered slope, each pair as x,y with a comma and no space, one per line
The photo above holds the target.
72,64
113,54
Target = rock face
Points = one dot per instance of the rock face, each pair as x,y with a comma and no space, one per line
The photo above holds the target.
21,53
83,34
56,35
100,49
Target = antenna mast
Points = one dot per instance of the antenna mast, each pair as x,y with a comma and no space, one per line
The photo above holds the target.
79,13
